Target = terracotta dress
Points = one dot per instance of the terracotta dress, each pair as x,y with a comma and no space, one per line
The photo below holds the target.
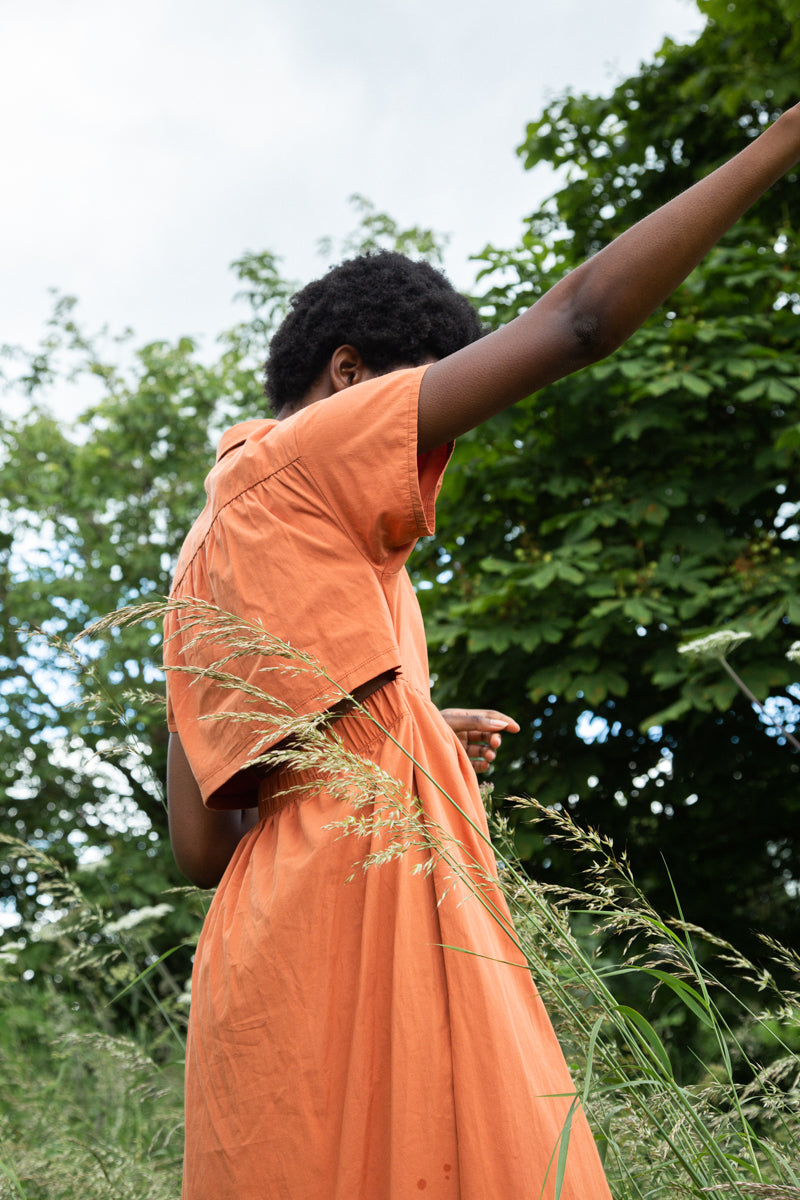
354,1033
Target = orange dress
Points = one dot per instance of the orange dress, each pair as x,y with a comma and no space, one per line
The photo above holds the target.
356,1033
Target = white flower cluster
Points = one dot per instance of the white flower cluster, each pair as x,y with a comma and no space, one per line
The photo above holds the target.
793,653
714,645
10,952
136,916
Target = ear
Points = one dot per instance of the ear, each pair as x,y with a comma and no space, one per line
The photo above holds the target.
347,368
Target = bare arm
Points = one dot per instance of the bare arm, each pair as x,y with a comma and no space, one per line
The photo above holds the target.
595,308
202,841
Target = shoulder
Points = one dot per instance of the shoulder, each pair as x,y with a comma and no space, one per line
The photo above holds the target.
247,454
370,417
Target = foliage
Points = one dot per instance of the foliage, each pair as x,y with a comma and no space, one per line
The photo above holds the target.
88,1115
646,500
379,231
730,1126
586,532
85,1111
92,518
716,647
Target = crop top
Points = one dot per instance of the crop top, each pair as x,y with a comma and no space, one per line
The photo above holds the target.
305,533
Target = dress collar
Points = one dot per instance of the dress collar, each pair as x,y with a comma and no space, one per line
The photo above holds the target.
237,435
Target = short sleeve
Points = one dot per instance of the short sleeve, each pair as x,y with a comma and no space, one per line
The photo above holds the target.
359,448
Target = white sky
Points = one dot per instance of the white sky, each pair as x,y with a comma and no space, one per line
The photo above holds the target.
148,144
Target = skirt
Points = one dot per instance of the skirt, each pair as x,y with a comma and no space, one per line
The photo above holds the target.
363,1025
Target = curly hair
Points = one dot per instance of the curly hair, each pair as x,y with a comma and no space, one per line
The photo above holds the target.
394,311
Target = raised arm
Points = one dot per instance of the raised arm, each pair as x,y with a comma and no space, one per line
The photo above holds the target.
595,308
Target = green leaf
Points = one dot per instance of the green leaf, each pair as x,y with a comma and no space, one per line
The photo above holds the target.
544,576
755,391
637,611
688,996
570,574
789,439
696,385
781,392
649,1037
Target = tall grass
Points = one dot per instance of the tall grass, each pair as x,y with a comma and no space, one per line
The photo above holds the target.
734,1128
85,1110
728,1126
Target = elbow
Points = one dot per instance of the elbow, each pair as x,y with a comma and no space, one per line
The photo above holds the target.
203,868
201,876
593,336
203,855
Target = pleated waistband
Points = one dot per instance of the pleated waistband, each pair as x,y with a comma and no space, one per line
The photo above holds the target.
356,731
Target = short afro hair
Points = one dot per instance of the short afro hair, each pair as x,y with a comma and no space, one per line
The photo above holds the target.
396,312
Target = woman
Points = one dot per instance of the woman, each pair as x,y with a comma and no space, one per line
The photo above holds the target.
375,1034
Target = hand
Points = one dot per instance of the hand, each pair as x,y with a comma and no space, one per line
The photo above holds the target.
479,730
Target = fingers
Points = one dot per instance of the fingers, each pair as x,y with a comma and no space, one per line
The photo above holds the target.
482,753
480,719
479,730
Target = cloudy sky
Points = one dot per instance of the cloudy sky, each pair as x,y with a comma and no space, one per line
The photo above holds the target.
149,144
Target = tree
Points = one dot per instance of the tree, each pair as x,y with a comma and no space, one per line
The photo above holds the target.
586,533
91,519
646,500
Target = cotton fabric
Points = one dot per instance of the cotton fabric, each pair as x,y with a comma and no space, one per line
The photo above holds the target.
306,530
359,1033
